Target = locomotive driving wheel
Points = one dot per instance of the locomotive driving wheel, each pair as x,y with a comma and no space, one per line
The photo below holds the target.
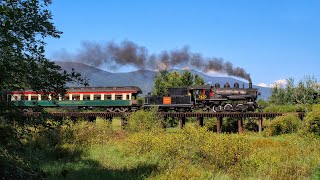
228,107
217,108
241,107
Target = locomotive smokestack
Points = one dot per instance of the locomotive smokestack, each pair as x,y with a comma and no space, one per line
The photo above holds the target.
250,83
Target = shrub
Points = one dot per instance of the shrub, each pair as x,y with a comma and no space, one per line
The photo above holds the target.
251,125
192,144
312,120
89,133
143,120
285,124
286,108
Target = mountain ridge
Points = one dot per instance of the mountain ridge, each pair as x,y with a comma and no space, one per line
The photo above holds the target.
142,78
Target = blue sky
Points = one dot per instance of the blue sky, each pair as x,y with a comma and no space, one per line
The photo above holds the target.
270,39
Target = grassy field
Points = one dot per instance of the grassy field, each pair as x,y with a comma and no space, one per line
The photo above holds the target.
101,150
288,148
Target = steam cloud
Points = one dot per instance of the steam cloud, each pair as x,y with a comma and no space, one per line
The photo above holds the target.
129,53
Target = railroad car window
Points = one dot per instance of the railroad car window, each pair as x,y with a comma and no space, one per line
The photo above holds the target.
128,97
118,97
75,97
55,97
107,97
66,97
97,97
34,97
86,97
44,97
24,97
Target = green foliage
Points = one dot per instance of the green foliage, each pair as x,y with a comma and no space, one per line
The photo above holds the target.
251,125
191,153
144,121
230,125
287,108
25,24
93,133
306,92
263,103
312,120
23,65
164,80
195,153
192,144
285,124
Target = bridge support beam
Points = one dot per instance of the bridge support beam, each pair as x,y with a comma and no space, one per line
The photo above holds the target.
200,121
182,122
240,125
219,125
260,124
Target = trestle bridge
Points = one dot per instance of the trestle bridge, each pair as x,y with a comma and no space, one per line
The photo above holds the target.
181,115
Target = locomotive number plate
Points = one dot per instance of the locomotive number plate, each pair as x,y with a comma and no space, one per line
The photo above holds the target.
202,96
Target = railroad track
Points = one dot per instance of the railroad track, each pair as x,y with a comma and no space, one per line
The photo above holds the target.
165,114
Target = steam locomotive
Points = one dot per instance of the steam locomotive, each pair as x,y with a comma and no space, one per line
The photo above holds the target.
207,98
124,99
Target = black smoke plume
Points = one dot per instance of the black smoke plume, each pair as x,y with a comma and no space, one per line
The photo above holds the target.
128,53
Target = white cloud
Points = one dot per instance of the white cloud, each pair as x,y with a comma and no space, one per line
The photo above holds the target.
279,83
262,85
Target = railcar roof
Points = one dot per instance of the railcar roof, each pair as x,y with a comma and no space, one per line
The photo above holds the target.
111,88
94,89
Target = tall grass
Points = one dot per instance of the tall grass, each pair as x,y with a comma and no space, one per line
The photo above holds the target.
97,150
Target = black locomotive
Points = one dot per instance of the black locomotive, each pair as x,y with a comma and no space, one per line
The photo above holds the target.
208,98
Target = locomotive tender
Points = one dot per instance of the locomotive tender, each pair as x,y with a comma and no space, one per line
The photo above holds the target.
124,99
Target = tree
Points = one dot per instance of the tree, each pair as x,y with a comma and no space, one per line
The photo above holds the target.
24,25
305,92
165,80
160,85
289,95
198,80
187,78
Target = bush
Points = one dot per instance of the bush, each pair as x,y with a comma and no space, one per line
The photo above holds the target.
90,133
286,108
285,124
192,144
144,121
251,125
312,120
